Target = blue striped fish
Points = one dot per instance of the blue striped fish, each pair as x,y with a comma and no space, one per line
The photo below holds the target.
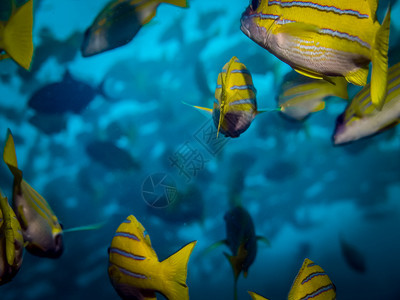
11,242
135,271
235,104
322,38
361,119
119,22
40,227
313,283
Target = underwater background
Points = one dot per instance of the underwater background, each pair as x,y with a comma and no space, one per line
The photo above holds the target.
305,196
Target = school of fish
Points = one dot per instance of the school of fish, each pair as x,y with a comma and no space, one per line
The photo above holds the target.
328,44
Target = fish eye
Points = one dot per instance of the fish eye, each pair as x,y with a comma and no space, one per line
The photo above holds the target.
255,4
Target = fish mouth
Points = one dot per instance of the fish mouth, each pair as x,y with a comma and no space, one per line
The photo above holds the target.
245,21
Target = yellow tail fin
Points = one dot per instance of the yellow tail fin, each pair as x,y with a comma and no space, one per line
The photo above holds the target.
176,273
380,63
18,35
180,3
10,157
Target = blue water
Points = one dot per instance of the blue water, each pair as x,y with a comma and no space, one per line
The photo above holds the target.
314,193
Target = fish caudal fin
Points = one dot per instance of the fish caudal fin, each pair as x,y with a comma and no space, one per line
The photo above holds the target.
175,268
10,157
380,63
18,35
180,3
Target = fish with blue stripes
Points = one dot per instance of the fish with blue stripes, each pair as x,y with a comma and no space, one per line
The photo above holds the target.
119,22
300,96
135,271
235,104
42,232
312,282
322,38
16,35
11,242
361,119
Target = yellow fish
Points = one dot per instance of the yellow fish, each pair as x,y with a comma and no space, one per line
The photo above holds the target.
40,227
11,242
311,283
235,106
135,271
302,95
16,36
324,38
361,119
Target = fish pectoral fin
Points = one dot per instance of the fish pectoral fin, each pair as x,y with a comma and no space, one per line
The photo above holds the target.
209,110
232,261
264,240
358,77
180,3
312,74
18,35
10,247
298,30
10,158
174,268
85,227
213,247
380,63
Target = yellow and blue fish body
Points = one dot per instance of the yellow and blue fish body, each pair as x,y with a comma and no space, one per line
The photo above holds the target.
11,242
322,38
300,96
313,283
119,22
361,119
135,271
235,104
41,230
16,36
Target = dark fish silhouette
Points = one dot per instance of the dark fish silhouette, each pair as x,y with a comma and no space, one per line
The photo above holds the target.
352,256
68,95
111,156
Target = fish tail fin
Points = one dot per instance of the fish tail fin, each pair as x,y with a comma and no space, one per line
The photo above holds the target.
380,63
176,269
10,157
18,35
180,3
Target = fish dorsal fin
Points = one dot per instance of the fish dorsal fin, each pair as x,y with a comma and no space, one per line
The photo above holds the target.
10,157
174,268
18,35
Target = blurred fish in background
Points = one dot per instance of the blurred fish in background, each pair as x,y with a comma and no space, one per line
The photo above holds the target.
119,22
353,257
135,271
361,119
300,96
